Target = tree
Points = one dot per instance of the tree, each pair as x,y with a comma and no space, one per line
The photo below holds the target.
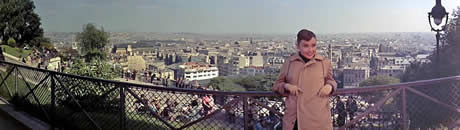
92,42
249,82
257,83
66,53
245,83
89,92
12,42
373,97
19,21
94,68
225,84
44,42
447,92
379,80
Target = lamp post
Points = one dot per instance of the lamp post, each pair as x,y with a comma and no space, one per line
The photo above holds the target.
438,12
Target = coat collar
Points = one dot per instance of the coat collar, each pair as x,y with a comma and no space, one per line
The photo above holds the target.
296,56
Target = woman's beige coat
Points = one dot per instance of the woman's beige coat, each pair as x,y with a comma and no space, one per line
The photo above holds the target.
311,111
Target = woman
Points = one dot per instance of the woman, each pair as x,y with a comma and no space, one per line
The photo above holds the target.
206,103
306,80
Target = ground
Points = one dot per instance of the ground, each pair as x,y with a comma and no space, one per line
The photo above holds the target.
15,51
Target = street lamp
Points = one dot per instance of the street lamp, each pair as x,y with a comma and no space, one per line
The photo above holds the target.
438,12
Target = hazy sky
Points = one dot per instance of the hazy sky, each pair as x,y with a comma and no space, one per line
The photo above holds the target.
239,16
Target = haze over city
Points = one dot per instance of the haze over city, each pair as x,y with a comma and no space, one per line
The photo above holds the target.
239,16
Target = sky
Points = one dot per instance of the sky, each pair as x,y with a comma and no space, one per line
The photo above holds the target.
239,16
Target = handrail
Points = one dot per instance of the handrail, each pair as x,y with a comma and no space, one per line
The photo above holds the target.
248,93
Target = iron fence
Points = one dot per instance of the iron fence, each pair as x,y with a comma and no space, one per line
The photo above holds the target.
74,102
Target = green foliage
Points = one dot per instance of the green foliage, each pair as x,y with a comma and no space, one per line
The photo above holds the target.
17,52
373,97
446,92
67,52
248,82
43,42
92,42
95,68
11,42
105,105
9,85
257,83
89,92
244,83
225,84
19,21
379,80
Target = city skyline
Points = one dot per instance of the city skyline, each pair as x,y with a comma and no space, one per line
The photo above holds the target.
247,17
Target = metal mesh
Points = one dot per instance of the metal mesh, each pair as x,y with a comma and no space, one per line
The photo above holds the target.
265,112
424,112
426,106
347,108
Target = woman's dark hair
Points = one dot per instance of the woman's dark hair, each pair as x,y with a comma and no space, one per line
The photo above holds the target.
305,34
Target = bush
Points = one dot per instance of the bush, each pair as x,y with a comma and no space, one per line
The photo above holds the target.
12,42
93,103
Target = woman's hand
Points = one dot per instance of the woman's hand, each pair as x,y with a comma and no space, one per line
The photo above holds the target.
325,91
293,89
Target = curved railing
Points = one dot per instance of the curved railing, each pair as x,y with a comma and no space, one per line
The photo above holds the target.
71,101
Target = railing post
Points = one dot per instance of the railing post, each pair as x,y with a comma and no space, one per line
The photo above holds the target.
404,109
122,108
246,113
16,81
53,101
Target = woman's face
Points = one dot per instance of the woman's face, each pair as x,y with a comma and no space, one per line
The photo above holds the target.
307,48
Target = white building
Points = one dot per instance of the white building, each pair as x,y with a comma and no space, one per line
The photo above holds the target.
402,62
196,71
275,60
423,58
54,64
257,60
241,61
136,63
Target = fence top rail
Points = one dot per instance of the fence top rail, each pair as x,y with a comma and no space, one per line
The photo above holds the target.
393,86
239,93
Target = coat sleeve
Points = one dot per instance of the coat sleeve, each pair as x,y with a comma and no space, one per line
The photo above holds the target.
330,77
281,80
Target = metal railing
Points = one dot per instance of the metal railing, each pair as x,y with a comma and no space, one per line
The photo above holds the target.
76,102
